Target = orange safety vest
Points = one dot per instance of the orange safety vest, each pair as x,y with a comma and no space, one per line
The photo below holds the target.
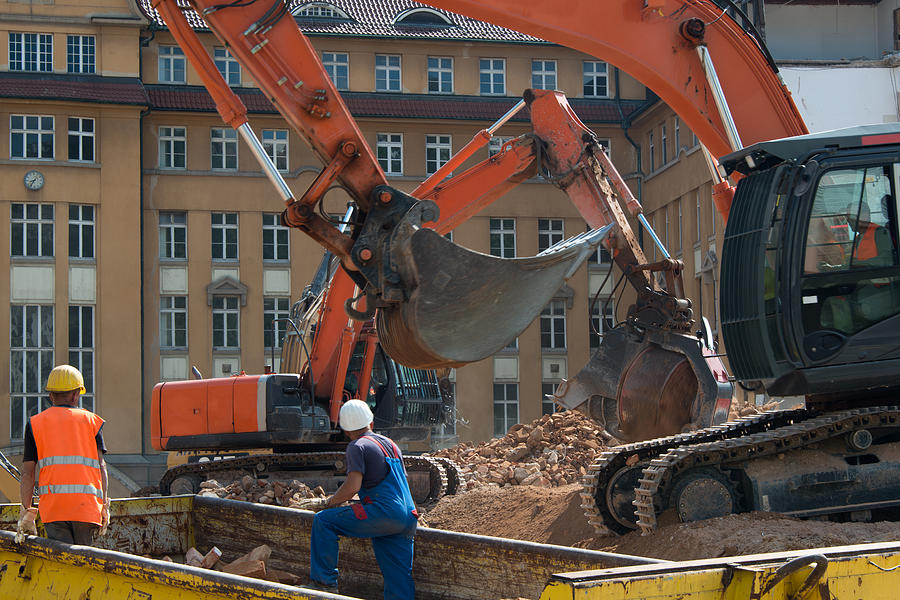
69,479
865,245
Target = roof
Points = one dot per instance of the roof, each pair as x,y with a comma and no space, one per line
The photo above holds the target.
770,153
400,106
375,19
73,88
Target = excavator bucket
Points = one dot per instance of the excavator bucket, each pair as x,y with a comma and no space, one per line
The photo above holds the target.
644,384
464,306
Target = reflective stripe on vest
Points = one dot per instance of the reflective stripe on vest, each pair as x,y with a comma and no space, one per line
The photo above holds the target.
68,460
70,488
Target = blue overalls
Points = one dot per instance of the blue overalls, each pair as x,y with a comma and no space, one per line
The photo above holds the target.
387,514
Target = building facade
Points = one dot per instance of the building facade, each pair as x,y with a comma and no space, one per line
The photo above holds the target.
153,244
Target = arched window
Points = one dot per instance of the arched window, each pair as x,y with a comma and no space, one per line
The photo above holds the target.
320,10
423,17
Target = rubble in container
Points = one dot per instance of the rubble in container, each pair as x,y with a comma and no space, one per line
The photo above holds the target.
552,451
262,491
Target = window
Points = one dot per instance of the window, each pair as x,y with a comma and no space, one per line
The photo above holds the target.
172,148
81,53
595,79
223,149
663,144
81,139
81,350
553,326
228,67
492,76
679,241
543,74
503,237
173,322
698,217
600,325
224,236
273,328
548,407
677,134
337,64
31,229
506,407
601,256
81,231
440,75
31,359
387,73
321,10
495,145
275,143
438,149
389,150
31,136
171,64
550,232
31,52
652,151
172,235
276,238
226,322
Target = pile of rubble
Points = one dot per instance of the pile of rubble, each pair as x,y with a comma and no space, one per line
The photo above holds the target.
552,451
250,489
253,564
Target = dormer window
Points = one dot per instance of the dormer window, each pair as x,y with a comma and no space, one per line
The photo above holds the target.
423,17
320,10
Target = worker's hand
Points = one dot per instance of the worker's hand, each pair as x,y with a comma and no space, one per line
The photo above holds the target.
314,504
26,524
104,518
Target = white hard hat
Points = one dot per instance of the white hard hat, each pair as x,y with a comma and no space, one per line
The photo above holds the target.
355,415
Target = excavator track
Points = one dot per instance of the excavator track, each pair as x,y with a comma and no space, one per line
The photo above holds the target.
186,478
607,494
660,474
456,481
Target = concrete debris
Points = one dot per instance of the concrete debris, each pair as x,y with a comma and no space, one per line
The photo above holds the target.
552,451
263,491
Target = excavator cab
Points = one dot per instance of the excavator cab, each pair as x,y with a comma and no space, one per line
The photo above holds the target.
814,229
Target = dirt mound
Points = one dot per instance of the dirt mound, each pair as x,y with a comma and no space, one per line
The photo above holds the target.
552,451
554,516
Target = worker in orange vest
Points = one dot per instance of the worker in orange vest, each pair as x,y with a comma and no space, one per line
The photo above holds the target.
65,445
872,246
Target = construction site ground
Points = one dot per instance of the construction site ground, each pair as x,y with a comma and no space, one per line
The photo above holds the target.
526,486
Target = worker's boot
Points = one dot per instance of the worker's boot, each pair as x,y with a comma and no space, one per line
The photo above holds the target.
321,587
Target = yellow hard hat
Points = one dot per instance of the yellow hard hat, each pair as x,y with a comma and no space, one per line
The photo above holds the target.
65,378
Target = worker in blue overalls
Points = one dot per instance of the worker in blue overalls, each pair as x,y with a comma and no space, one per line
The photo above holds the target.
385,513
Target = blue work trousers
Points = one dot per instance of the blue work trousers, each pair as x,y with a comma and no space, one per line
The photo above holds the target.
392,540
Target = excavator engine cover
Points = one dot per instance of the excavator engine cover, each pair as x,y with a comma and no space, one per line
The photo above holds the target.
464,306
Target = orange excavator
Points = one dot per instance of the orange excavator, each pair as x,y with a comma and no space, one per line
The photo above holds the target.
796,320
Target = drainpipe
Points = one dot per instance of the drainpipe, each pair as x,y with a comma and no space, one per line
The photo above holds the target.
144,42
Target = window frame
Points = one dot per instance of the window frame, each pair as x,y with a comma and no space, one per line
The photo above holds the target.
82,228
438,150
173,222
492,69
591,76
170,333
505,402
439,74
42,51
227,66
549,234
170,136
553,326
81,350
388,73
275,308
81,53
171,65
43,221
224,307
45,137
279,239
31,392
540,74
337,65
225,236
223,145
276,143
82,137
385,143
503,237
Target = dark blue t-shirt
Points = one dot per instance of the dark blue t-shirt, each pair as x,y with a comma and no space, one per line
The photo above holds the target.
365,456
